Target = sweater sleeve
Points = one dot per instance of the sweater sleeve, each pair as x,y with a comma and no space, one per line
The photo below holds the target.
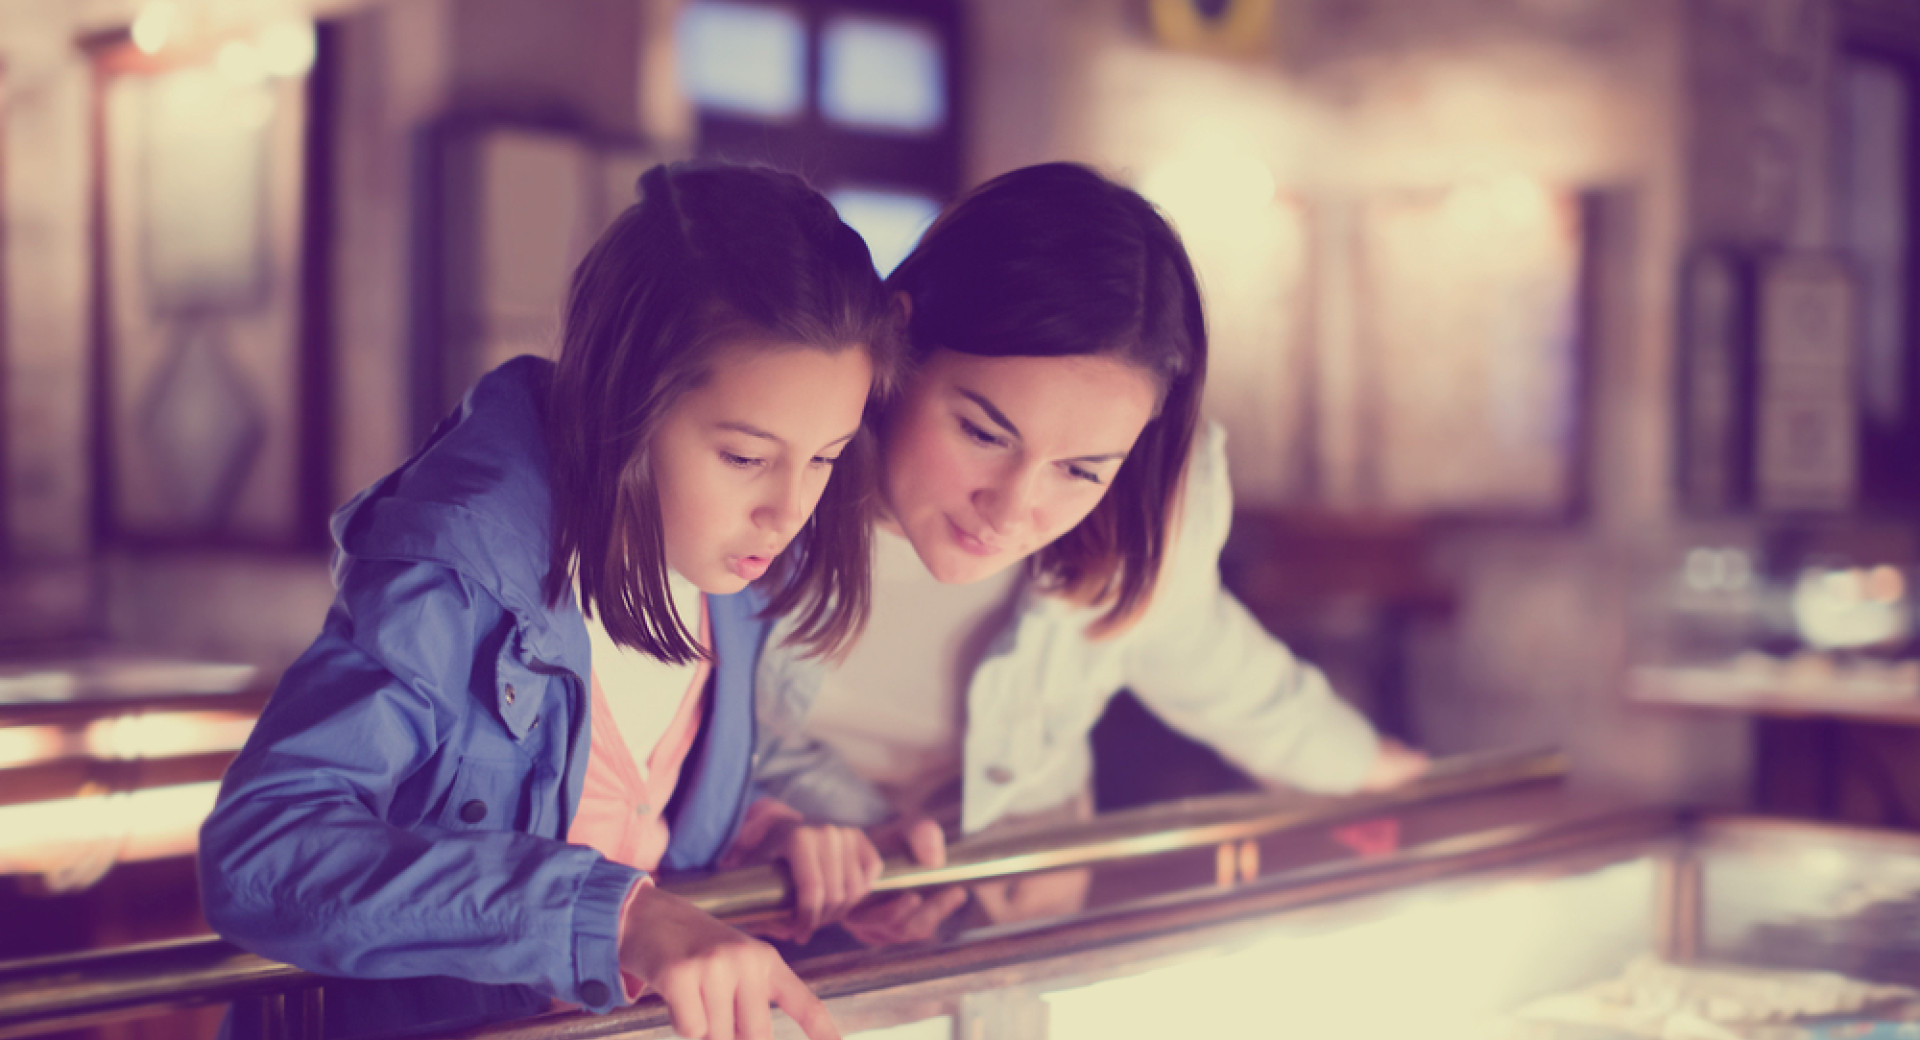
1206,666
299,860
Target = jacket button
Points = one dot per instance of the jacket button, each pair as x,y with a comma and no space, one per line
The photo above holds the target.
509,693
595,992
999,774
474,811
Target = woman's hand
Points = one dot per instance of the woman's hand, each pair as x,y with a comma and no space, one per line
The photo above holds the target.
911,916
718,983
1396,764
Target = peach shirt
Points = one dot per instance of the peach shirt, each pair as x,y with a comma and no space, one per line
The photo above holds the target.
622,811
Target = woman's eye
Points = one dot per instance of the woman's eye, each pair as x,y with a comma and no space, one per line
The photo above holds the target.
739,461
979,435
825,460
1081,473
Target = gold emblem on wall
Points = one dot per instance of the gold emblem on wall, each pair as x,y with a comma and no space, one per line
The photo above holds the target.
1214,26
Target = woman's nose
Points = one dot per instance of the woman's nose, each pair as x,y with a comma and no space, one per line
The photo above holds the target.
1009,504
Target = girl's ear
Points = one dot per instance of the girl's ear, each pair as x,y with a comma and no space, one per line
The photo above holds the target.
903,309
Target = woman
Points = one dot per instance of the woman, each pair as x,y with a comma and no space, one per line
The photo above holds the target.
1052,515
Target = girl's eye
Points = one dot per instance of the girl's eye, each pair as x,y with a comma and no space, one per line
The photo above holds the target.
740,461
1081,473
979,435
825,460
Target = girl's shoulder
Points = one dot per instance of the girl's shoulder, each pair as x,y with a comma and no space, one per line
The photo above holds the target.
476,497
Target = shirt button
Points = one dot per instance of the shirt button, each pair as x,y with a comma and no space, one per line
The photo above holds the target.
595,992
999,774
509,693
474,811
642,810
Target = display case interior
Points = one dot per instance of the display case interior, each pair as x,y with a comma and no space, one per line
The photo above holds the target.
1584,927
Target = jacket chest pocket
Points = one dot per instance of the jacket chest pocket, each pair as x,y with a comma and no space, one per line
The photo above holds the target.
490,792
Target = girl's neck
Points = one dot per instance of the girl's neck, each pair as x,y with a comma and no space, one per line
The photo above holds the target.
687,600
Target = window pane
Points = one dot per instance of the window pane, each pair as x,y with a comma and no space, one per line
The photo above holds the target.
890,221
745,58
1873,204
884,75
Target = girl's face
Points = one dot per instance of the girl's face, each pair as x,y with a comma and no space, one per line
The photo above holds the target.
990,459
741,460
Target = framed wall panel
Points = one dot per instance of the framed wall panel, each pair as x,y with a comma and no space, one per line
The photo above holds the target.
1471,333
512,208
1806,451
206,412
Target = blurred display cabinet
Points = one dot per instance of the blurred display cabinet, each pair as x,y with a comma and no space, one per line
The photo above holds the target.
1802,620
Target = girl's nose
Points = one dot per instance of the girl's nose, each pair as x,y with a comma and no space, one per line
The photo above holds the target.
785,510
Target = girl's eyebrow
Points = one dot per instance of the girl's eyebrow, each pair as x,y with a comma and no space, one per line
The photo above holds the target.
748,429
754,431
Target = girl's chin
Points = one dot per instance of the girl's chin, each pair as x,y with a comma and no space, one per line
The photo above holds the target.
719,583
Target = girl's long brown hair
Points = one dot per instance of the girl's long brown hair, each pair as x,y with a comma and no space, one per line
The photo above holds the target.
710,253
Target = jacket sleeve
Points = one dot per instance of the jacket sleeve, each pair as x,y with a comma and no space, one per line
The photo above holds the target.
793,768
299,862
1203,664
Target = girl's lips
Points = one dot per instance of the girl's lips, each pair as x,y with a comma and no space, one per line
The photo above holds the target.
748,568
970,544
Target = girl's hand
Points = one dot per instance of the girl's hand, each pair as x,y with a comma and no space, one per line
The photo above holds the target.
718,983
1396,764
833,868
911,916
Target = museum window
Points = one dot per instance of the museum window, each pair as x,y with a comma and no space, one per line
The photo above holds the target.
861,97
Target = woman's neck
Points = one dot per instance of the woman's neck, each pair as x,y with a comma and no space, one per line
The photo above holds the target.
889,523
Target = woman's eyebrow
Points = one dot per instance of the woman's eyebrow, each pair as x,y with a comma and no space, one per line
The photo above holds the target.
1112,456
992,413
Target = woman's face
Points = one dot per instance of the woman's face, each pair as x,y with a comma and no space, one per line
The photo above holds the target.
742,459
987,460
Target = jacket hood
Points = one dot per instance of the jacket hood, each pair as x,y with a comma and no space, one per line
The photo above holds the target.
477,498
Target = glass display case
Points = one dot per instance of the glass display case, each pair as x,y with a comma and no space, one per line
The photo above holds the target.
1570,922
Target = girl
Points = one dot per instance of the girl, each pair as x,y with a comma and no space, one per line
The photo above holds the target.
1050,534
536,639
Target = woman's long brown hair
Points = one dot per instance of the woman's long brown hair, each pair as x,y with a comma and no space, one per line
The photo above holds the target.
1057,261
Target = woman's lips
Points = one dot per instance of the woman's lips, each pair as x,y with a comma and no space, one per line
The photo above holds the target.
747,568
969,543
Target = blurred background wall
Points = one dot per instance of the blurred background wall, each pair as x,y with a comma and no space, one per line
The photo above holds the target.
1503,296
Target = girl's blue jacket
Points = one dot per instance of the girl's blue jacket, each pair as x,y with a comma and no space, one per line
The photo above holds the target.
399,812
